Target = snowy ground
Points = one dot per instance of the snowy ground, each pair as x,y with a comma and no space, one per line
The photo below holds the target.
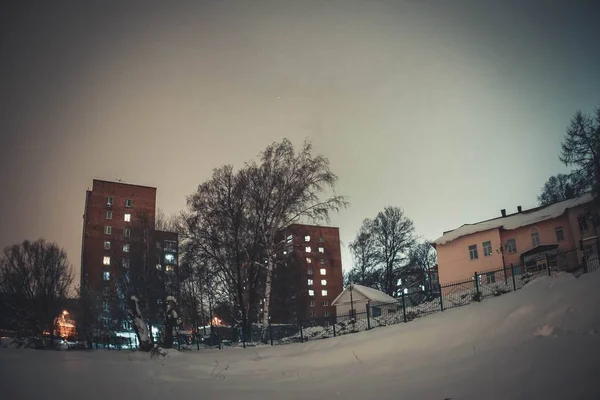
541,342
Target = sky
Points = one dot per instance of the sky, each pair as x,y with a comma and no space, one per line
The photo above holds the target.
451,110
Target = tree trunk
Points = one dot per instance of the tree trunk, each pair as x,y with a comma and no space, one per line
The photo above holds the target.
267,305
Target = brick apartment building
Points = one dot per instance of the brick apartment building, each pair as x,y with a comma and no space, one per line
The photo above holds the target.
116,217
313,255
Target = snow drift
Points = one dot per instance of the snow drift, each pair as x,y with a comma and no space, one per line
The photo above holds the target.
539,342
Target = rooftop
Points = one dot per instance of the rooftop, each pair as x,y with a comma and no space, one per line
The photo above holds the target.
517,220
123,183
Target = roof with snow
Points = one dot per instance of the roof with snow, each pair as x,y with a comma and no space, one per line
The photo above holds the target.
369,293
517,220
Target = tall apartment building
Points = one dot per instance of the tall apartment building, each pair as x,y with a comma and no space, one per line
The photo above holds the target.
118,219
313,273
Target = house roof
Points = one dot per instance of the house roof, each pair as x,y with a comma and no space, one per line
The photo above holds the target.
517,220
369,293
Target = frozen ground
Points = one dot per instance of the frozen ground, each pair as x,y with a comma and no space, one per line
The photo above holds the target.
541,342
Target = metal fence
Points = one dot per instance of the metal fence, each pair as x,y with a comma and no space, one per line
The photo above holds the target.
410,306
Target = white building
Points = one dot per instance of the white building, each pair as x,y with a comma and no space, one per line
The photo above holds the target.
356,297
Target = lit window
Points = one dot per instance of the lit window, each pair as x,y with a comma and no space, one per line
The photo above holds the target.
107,245
169,268
310,282
323,271
169,258
322,261
326,314
307,249
560,234
473,252
309,271
325,303
108,215
307,238
535,238
308,260
127,217
487,248
109,201
405,290
323,282
106,276
321,250
107,230
511,246
312,303
311,292
323,292
158,267
106,260
128,203
126,248
126,232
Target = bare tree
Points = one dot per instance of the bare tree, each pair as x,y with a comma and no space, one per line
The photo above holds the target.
35,277
422,258
393,233
365,256
581,149
218,232
88,313
560,188
285,187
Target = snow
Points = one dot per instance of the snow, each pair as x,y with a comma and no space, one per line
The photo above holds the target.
171,298
515,221
538,342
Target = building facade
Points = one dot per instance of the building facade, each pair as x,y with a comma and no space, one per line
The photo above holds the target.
557,235
118,230
313,254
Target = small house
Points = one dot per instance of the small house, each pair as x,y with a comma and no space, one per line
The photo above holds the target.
354,300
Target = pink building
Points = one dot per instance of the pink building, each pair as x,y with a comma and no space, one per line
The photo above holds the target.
530,238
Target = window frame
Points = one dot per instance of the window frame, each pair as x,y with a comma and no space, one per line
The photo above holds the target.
127,217
535,234
473,252
323,272
107,230
562,233
107,245
512,250
487,245
128,203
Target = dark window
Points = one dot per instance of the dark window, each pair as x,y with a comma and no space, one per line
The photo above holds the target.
128,203
511,246
376,311
535,238
583,226
490,278
560,234
473,252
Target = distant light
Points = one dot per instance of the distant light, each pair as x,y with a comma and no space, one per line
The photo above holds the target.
65,312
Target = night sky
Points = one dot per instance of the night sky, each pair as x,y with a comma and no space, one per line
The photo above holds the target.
451,110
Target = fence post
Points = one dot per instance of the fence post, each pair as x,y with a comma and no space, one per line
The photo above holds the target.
441,297
300,326
512,272
334,322
505,276
477,293
404,306
270,331
583,257
368,316
197,340
548,266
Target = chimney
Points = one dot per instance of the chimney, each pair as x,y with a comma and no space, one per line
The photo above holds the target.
519,209
503,211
